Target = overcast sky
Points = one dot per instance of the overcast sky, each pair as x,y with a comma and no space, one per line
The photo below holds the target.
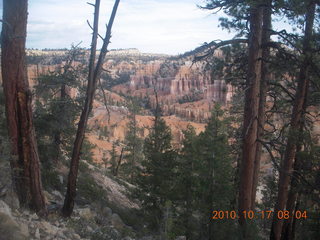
157,26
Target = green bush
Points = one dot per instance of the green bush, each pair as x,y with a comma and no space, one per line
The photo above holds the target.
88,190
50,179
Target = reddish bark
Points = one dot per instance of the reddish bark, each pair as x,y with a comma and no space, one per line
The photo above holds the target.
265,76
250,123
25,162
296,117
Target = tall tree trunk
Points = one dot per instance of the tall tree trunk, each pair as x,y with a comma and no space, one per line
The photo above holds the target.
296,117
265,76
292,203
93,77
24,162
250,123
288,228
57,135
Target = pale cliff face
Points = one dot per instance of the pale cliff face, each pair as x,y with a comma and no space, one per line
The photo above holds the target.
184,89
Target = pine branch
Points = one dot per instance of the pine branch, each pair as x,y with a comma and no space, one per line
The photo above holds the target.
215,45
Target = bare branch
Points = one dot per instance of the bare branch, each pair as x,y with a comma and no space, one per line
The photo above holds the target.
105,100
91,4
106,40
265,145
93,30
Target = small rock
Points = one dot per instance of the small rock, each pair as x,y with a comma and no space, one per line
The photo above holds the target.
60,235
76,236
107,212
68,234
89,229
24,229
181,238
86,213
117,222
37,234
127,238
9,229
57,195
50,229
60,179
34,216
4,208
3,191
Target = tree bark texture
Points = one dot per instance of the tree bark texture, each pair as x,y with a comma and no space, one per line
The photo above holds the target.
296,118
250,123
265,77
24,162
93,77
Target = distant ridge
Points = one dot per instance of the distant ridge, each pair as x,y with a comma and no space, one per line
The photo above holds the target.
134,52
131,52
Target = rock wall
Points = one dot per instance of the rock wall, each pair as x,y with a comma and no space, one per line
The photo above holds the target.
188,79
188,83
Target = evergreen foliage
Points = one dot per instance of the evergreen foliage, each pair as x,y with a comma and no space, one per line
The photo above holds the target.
157,178
56,110
180,192
133,143
215,173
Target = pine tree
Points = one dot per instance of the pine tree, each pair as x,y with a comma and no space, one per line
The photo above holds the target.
113,159
133,143
187,184
156,180
56,110
216,176
205,181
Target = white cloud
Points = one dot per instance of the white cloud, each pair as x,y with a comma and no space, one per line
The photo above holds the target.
162,26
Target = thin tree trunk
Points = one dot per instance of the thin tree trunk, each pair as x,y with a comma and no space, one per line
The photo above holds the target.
288,227
296,117
57,135
265,76
250,123
133,163
119,163
189,210
24,162
74,165
292,203
93,77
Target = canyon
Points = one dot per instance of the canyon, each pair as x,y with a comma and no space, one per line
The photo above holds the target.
185,91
